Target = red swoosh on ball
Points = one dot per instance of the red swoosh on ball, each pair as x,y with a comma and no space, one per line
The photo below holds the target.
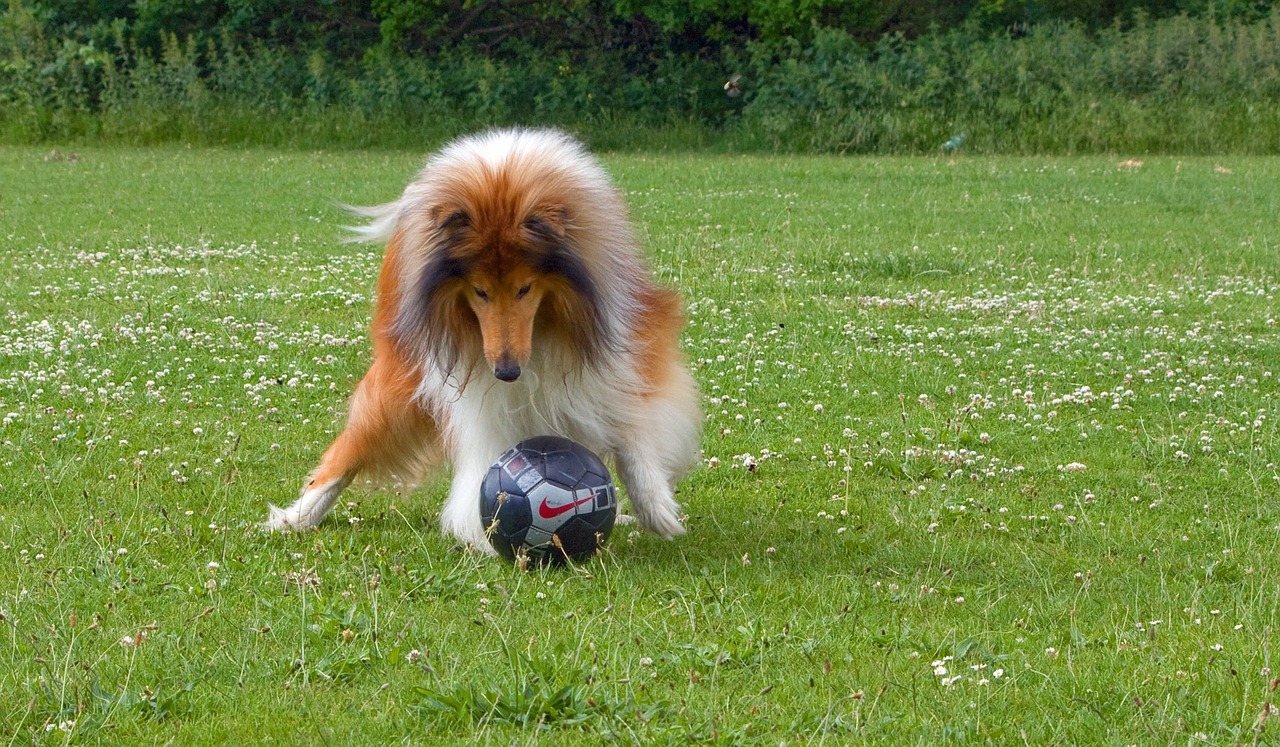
548,512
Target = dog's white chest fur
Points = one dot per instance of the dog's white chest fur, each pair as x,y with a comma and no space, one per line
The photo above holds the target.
550,397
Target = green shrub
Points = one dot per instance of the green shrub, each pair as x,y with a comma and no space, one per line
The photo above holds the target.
1177,84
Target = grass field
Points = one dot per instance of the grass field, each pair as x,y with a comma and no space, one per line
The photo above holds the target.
990,457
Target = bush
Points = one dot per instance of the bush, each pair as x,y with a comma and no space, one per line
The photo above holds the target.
1176,84
1179,84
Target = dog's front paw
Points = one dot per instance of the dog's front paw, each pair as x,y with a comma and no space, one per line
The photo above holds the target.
309,510
284,519
469,541
663,521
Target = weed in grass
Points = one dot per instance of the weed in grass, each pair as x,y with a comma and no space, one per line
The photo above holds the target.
534,699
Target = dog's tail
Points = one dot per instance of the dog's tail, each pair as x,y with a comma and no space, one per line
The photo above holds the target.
383,220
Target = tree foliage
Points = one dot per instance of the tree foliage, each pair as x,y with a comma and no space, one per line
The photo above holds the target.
351,29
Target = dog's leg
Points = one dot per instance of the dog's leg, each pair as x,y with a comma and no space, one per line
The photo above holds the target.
650,462
318,496
650,490
659,446
386,432
461,515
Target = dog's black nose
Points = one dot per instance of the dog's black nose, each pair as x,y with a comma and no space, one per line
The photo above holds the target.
507,370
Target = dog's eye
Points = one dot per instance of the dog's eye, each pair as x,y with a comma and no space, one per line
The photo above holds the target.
481,294
523,291
455,220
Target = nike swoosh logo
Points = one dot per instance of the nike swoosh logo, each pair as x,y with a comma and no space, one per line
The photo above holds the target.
551,512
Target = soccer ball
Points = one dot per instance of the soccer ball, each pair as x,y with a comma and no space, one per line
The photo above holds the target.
547,499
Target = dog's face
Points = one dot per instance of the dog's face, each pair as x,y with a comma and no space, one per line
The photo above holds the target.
511,270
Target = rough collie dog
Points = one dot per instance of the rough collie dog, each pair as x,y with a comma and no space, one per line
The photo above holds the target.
513,302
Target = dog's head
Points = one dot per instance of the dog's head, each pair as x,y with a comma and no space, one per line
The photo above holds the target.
498,281
506,242
518,275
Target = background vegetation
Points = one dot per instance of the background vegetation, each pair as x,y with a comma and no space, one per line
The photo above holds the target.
872,76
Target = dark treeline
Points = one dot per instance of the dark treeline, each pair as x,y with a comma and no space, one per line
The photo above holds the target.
860,76
352,29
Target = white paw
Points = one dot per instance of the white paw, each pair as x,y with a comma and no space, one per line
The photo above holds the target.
663,521
474,541
468,532
309,510
285,519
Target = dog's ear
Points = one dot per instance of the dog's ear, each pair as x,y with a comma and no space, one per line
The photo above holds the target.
548,225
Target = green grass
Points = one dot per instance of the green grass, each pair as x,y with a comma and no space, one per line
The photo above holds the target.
916,355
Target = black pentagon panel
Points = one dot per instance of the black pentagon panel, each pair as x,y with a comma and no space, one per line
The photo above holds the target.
490,488
601,520
504,547
513,513
517,537
545,444
578,538
596,475
604,527
565,467
597,472
542,555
